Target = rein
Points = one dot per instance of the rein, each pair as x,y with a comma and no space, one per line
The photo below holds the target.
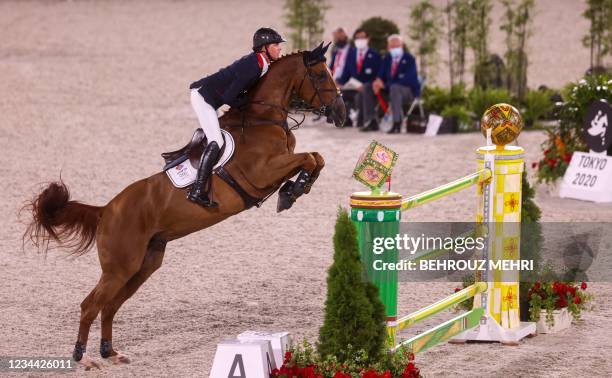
296,103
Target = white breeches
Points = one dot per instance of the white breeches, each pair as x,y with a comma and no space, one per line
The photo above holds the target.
207,116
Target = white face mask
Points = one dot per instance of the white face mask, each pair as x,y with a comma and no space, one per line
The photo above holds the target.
361,43
396,52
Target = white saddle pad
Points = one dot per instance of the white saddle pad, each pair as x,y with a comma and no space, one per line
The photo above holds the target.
185,174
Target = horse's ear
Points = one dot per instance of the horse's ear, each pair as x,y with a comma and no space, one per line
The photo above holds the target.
325,48
316,55
317,50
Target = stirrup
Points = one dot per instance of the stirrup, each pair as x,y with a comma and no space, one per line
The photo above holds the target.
202,200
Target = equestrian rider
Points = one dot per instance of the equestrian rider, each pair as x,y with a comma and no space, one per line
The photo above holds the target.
228,86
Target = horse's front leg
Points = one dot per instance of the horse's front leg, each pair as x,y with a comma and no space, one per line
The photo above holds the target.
281,168
315,173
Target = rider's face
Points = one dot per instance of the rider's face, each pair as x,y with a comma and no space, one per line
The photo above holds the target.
274,49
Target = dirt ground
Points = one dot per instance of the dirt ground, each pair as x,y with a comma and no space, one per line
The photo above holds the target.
96,90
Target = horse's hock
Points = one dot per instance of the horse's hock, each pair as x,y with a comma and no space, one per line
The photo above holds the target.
495,313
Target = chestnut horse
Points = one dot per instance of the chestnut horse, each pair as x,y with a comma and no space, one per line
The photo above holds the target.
132,230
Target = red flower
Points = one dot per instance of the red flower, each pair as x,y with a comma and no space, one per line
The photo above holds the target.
534,165
583,286
370,374
410,371
537,285
457,289
287,357
561,302
577,300
552,162
567,157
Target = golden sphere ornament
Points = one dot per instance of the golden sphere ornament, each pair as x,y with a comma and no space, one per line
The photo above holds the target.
504,122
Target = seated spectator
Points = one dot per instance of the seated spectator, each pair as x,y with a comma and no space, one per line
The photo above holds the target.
398,76
340,51
362,64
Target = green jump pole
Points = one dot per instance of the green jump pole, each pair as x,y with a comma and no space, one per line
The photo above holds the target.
446,189
441,305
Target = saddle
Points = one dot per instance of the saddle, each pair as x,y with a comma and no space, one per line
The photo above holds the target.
192,151
182,165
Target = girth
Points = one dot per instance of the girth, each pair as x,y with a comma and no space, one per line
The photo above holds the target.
249,201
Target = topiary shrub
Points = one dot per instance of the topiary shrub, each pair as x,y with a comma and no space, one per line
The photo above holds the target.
354,314
379,29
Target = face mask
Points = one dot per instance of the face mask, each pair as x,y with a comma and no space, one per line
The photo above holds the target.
396,52
341,43
361,43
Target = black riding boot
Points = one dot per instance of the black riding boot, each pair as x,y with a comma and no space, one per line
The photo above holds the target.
197,193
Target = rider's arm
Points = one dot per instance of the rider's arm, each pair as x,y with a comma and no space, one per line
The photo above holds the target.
245,73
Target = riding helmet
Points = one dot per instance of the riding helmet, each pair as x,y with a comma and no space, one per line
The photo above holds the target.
265,36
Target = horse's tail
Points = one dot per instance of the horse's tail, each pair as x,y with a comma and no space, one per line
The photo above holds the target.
70,224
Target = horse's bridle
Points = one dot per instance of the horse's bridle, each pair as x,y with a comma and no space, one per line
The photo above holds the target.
303,105
299,104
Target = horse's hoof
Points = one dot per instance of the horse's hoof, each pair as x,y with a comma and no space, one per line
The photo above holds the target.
88,363
285,198
119,359
284,202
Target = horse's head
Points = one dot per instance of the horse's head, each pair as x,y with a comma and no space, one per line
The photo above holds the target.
318,88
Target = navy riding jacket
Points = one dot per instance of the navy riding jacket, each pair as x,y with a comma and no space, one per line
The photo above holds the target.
230,84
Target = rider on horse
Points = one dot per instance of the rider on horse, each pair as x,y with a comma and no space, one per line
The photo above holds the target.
228,86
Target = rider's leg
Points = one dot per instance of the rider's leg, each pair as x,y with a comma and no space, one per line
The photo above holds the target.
210,124
207,116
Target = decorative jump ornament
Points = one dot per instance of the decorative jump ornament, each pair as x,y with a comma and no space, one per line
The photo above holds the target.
375,165
502,123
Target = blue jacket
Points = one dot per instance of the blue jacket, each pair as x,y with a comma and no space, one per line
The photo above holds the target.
405,75
230,84
371,65
333,58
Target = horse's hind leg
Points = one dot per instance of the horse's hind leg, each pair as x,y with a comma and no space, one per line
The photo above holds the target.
120,259
108,286
152,261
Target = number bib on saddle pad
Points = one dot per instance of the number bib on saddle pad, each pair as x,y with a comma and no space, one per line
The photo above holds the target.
184,174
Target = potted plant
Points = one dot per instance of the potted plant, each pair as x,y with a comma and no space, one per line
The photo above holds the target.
554,305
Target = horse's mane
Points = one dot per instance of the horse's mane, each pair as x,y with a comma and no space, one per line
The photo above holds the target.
270,75
274,66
